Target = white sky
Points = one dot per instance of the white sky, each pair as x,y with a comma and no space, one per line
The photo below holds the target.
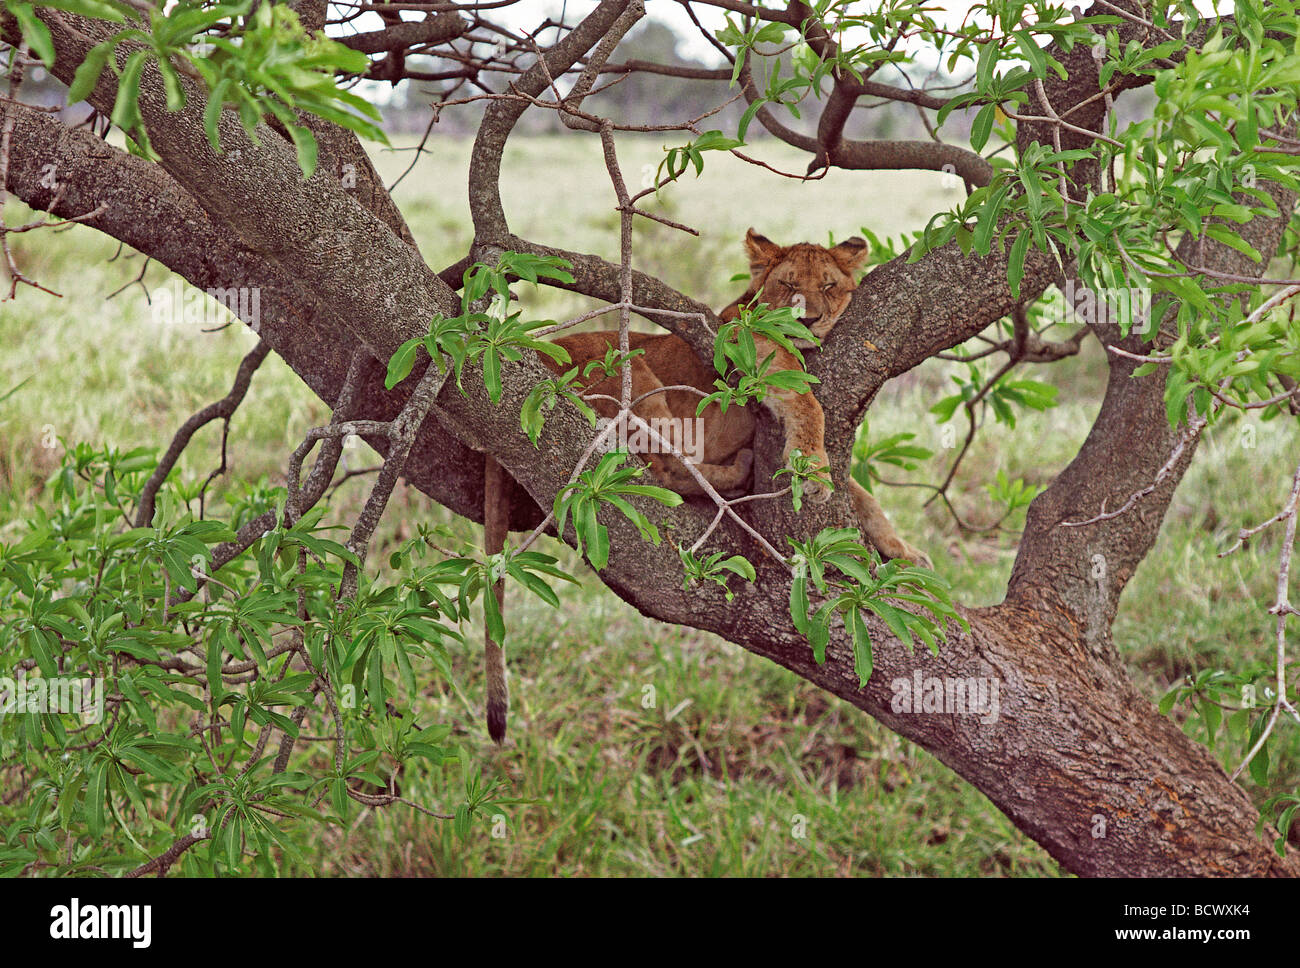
528,13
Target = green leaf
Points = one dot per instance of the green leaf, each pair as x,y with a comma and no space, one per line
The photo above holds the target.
819,632
126,111
716,141
401,362
96,791
88,8
1033,53
42,652
34,31
305,144
863,660
212,112
496,626
172,87
983,124
1016,263
492,375
1259,766
1221,233
339,798
87,75
461,822
945,408
984,65
799,603
741,566
375,682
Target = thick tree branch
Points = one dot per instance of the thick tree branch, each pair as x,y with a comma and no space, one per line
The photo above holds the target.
865,155
436,29
342,248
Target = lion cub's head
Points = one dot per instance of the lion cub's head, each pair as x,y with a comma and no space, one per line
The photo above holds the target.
812,276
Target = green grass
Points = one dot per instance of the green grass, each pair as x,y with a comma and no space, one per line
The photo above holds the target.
641,748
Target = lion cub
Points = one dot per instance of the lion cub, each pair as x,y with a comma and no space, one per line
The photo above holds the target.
818,279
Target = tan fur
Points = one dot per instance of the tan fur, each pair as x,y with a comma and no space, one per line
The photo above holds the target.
496,521
818,278
813,276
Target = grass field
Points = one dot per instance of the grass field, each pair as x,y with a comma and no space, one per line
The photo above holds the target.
736,755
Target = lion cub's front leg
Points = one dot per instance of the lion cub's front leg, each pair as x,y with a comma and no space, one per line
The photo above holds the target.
805,430
801,418
871,516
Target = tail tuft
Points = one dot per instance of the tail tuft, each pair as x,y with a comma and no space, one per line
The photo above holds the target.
498,694
496,719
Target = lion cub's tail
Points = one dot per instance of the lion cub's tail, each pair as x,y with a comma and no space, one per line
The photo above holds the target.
496,521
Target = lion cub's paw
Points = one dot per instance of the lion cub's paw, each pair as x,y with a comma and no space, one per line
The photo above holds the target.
744,463
818,489
734,480
901,549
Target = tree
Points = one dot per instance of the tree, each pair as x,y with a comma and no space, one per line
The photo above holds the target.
1190,205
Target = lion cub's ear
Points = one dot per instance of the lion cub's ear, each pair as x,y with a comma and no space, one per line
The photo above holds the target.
762,252
851,253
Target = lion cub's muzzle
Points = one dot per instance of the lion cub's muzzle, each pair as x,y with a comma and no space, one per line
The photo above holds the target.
819,326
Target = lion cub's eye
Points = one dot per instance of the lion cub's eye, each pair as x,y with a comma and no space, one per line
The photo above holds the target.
828,287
